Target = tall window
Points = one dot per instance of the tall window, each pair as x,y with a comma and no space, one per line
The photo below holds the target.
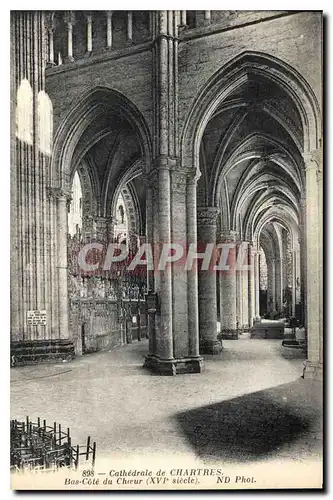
121,226
45,122
75,211
24,112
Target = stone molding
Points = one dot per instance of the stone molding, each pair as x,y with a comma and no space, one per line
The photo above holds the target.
58,193
178,181
207,216
228,236
314,160
50,23
69,17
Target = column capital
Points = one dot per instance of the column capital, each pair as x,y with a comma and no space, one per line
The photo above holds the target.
69,17
178,181
50,23
254,245
164,162
227,236
207,216
193,175
59,193
313,159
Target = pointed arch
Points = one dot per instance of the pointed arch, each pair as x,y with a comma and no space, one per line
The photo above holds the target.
80,115
232,76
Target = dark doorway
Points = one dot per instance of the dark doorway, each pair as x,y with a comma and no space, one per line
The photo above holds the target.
83,338
263,302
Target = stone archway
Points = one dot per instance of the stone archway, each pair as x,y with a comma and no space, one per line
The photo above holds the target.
84,131
223,104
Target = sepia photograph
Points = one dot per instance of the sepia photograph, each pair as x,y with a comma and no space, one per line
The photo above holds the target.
166,235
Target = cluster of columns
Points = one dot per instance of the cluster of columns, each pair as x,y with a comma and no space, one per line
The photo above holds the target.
314,262
239,286
173,300
39,214
183,314
278,278
203,18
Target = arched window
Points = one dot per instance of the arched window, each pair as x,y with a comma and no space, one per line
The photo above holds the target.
24,112
121,226
75,211
191,18
121,214
45,122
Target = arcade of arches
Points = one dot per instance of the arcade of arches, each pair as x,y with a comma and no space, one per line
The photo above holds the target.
167,127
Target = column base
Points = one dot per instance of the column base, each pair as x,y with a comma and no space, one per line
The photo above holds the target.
210,346
173,366
228,334
313,371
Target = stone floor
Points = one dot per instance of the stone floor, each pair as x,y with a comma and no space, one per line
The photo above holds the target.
249,405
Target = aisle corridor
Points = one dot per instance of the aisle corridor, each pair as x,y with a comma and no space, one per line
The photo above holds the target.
249,404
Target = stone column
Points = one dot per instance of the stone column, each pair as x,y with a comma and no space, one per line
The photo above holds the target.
70,21
50,26
286,255
239,294
278,284
183,17
293,283
297,261
89,33
62,211
101,228
209,344
179,273
192,275
130,26
228,289
34,279
172,352
303,272
151,327
242,264
165,278
110,228
271,283
109,29
257,283
314,264
207,15
161,357
251,277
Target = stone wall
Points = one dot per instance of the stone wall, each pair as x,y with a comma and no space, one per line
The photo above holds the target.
104,323
127,71
293,38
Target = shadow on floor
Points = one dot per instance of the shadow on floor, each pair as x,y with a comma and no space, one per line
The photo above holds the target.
251,427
